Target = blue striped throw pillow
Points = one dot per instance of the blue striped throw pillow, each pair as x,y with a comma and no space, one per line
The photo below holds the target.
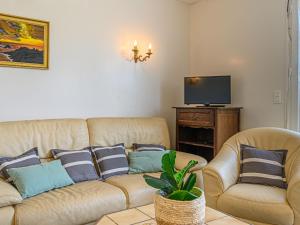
264,167
112,160
78,163
28,158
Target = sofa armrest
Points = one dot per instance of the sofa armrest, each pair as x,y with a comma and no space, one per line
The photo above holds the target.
8,194
221,173
293,193
183,158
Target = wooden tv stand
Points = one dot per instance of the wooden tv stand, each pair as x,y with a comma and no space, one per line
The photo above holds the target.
203,130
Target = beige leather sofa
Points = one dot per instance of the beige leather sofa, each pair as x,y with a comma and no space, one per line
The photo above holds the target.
256,204
82,203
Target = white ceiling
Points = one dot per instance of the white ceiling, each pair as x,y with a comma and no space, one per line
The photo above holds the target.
190,1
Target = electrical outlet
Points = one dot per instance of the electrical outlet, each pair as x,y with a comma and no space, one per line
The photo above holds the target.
277,97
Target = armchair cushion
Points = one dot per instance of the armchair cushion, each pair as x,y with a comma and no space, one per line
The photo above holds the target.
8,194
257,203
264,167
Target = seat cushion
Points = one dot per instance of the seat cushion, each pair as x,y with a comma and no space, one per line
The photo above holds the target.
259,203
78,204
138,193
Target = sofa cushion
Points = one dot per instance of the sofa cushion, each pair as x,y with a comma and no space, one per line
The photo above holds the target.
147,147
28,158
259,203
138,193
79,163
33,180
111,161
145,161
78,204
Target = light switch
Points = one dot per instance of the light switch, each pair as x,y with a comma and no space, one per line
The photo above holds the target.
277,97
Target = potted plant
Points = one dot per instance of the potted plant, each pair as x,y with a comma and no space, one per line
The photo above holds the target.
178,201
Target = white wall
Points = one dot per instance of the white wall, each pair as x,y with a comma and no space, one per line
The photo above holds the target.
247,39
89,74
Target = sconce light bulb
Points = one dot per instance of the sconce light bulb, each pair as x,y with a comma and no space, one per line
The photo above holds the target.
135,43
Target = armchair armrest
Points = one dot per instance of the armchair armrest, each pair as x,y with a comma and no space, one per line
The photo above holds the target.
293,193
183,158
221,173
8,194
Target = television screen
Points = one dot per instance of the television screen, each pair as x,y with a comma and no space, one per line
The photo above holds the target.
207,90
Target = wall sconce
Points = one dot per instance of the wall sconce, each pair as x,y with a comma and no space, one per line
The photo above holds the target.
139,58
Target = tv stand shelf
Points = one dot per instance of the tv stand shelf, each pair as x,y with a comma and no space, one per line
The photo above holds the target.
203,130
196,144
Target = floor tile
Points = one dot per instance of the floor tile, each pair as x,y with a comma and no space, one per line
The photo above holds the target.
226,221
128,217
148,222
211,215
105,221
148,210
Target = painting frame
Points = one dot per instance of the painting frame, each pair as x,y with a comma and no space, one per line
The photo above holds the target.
33,22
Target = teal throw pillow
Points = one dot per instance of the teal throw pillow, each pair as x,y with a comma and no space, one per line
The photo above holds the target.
145,162
33,180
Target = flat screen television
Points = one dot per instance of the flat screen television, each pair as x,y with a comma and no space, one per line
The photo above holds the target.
207,90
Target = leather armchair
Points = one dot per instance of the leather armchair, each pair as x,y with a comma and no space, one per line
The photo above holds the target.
256,204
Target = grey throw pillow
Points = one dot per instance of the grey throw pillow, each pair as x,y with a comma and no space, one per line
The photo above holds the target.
112,160
148,147
264,167
79,163
28,158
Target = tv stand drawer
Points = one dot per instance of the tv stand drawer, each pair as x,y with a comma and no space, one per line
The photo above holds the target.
196,117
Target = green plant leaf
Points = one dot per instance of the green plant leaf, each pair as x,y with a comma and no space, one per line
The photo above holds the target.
182,195
158,183
190,183
168,163
179,176
196,191
170,179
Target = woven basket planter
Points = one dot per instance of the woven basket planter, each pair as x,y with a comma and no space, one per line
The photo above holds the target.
171,212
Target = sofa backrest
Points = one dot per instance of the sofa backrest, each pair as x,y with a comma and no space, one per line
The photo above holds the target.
18,137
111,131
73,134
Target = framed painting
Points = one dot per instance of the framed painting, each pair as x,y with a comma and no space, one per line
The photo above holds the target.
24,42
